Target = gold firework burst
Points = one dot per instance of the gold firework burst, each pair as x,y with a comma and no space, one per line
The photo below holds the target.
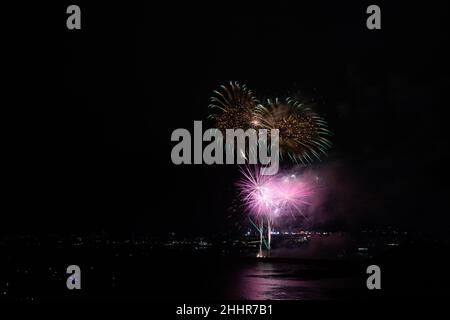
236,107
302,133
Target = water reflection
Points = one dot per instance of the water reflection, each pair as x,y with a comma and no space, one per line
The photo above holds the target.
279,281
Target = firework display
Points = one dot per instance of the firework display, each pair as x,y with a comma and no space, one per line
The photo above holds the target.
303,138
272,196
236,107
303,134
268,197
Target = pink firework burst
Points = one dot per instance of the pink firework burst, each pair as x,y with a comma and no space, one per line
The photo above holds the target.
273,196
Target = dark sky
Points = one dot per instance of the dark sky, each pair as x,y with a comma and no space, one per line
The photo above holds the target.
134,74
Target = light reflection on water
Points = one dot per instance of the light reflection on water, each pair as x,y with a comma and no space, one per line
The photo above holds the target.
277,281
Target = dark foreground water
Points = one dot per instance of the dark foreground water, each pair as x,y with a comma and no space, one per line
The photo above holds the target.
173,276
33,273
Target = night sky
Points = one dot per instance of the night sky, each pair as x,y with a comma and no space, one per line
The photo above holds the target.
101,162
